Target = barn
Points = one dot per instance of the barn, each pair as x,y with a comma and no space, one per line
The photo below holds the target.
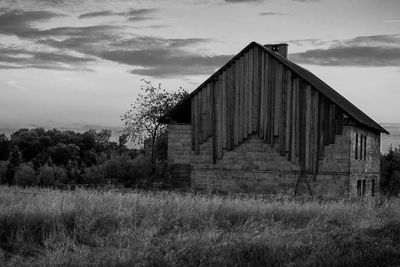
263,124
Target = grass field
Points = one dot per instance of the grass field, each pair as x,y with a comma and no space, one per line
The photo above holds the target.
50,227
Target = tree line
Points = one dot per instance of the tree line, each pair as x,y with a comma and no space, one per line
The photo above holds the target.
53,157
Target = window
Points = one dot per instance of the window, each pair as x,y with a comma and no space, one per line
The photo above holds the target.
365,147
363,188
373,187
356,148
361,185
360,147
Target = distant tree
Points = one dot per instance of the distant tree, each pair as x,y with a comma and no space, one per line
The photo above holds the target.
72,171
128,171
141,120
15,159
25,175
3,171
62,153
390,171
51,175
4,147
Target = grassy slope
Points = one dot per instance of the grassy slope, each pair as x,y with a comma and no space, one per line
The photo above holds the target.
48,227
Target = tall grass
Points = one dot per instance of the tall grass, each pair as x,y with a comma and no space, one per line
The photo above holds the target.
50,227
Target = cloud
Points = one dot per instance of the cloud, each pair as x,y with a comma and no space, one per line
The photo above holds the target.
23,58
272,14
76,47
376,50
242,1
19,22
131,15
167,62
259,1
97,14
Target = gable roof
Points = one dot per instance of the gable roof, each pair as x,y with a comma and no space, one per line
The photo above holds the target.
313,80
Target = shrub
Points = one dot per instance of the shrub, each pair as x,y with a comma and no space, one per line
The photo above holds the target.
93,175
390,172
3,171
25,175
128,171
52,175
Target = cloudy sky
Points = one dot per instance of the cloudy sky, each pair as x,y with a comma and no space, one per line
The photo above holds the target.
80,62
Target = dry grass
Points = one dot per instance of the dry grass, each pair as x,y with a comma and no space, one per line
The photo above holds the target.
50,227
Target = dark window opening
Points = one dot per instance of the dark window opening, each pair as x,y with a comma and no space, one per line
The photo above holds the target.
373,187
361,146
359,188
365,147
356,154
363,188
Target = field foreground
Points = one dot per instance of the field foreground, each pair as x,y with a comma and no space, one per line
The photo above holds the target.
50,227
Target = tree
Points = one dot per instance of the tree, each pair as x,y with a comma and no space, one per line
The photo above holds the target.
141,120
51,175
25,175
390,171
4,147
15,159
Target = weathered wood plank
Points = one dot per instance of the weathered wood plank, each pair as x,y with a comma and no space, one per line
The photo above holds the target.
271,110
250,92
262,95
293,151
289,106
224,108
213,98
232,104
236,106
256,90
241,98
220,117
282,126
267,99
245,124
278,99
197,127
193,122
307,127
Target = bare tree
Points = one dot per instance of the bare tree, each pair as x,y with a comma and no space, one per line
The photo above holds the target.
141,120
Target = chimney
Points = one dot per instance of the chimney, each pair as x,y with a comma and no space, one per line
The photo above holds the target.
281,49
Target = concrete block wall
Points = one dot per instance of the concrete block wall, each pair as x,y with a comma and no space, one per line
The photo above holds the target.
179,144
369,168
254,166
336,156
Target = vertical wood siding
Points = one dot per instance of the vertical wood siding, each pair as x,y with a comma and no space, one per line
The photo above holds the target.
256,94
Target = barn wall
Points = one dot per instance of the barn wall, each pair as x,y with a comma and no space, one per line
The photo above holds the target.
254,166
179,144
258,95
367,164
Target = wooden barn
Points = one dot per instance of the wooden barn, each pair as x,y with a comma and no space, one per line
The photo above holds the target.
263,124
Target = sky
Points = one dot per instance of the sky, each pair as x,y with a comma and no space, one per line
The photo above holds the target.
80,63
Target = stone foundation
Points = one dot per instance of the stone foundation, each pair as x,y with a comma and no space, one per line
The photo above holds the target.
255,167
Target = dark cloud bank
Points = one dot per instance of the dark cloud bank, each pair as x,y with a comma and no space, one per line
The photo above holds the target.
363,51
151,56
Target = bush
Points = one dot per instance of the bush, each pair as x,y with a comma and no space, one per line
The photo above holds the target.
93,175
25,175
128,171
3,171
52,175
390,172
